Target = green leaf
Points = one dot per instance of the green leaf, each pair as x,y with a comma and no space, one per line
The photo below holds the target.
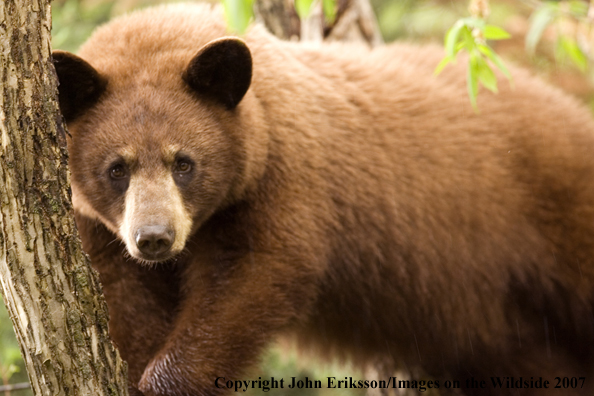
469,39
495,33
479,71
239,14
303,8
451,38
497,61
472,81
329,8
475,23
540,19
486,76
568,47
444,62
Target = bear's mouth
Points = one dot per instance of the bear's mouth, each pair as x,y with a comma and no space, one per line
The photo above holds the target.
151,259
154,259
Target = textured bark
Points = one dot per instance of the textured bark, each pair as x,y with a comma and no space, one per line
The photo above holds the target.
52,294
354,21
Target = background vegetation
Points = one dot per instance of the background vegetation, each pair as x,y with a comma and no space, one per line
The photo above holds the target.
552,38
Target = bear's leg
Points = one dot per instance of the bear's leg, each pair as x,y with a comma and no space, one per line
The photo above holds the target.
141,315
141,301
228,314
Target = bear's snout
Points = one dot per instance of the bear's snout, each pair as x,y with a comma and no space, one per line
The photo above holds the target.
154,241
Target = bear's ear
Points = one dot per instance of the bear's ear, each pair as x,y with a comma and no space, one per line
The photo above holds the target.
80,84
221,70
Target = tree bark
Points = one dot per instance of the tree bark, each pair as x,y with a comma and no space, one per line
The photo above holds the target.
53,296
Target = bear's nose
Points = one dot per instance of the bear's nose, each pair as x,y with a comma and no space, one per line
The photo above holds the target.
154,240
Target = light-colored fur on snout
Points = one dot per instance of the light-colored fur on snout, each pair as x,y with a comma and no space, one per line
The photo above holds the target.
154,200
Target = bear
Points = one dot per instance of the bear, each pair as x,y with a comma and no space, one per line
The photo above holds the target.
234,190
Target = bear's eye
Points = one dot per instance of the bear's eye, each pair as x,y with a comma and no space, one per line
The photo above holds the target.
117,172
183,166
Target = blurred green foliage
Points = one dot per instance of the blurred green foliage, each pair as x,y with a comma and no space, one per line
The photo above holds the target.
239,14
304,7
567,47
283,362
12,366
74,20
416,19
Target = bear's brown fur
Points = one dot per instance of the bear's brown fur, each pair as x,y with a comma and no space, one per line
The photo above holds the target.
349,198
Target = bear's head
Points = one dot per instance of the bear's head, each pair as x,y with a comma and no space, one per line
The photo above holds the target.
156,150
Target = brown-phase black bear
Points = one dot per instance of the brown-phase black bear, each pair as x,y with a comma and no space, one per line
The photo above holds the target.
230,191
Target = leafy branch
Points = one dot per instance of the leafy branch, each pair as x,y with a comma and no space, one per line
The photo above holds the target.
470,35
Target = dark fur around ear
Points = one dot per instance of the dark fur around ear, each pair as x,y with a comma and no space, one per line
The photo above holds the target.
221,70
80,84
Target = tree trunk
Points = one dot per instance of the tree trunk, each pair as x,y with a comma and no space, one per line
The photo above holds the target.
53,296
